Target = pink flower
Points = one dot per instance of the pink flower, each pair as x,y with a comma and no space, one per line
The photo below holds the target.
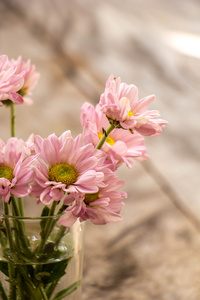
30,78
120,146
65,166
16,171
120,104
10,82
101,207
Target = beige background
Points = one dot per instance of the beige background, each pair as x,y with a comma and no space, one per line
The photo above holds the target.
155,44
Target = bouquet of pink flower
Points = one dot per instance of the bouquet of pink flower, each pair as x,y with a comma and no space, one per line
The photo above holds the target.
74,178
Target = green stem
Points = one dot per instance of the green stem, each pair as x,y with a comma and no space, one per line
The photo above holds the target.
48,228
22,237
25,275
3,239
51,287
8,228
62,229
62,208
12,277
21,208
105,135
14,206
11,268
13,116
44,295
20,287
59,235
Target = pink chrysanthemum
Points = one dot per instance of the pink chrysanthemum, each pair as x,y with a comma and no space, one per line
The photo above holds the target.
10,82
120,104
16,171
120,146
30,78
101,207
65,166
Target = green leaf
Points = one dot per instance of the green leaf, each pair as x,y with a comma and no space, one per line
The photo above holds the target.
40,275
52,272
56,271
60,295
4,267
45,213
50,254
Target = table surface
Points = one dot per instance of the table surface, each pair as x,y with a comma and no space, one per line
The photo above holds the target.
76,45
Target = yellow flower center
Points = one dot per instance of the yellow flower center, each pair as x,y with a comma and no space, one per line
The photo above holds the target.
89,198
130,113
6,172
109,140
23,91
64,173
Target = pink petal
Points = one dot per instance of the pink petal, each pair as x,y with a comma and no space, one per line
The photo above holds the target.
68,219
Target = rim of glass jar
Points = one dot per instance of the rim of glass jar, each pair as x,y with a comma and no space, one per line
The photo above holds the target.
3,216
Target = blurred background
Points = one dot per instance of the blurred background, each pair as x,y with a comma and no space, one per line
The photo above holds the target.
155,252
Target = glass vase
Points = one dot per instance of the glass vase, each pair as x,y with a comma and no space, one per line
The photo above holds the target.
40,259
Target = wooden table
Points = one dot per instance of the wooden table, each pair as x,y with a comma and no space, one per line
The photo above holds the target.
155,252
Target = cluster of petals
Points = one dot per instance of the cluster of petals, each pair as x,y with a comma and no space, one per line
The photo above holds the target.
55,150
105,209
30,77
123,146
120,104
17,79
16,156
10,82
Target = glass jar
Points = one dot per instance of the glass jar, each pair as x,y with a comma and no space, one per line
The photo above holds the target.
40,259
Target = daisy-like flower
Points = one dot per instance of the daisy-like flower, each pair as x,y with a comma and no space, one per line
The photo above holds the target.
30,77
120,104
10,81
101,207
120,145
65,166
16,171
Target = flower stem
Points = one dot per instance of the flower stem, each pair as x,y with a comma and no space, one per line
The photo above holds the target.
8,229
105,135
48,228
43,293
12,286
14,206
21,208
11,267
62,208
60,235
62,228
20,226
12,111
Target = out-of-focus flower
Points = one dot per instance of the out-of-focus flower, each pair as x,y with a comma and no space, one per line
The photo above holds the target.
101,207
16,171
120,146
10,81
65,166
30,77
120,104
